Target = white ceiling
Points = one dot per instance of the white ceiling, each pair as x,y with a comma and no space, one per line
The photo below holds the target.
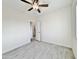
23,7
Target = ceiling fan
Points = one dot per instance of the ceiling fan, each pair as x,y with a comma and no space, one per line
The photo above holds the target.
35,5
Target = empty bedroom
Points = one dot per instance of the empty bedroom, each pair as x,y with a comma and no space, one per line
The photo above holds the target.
39,29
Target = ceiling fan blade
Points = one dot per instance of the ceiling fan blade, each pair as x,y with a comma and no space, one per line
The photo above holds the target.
39,10
43,5
30,9
36,1
26,1
33,1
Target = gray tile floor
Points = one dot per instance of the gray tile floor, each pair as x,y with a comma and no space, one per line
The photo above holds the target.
40,50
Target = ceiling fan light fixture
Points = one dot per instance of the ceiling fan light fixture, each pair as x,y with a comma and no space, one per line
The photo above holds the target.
35,6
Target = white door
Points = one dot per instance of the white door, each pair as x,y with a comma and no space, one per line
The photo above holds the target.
38,30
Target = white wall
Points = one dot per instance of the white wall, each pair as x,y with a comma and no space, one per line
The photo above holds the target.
74,40
16,29
56,27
